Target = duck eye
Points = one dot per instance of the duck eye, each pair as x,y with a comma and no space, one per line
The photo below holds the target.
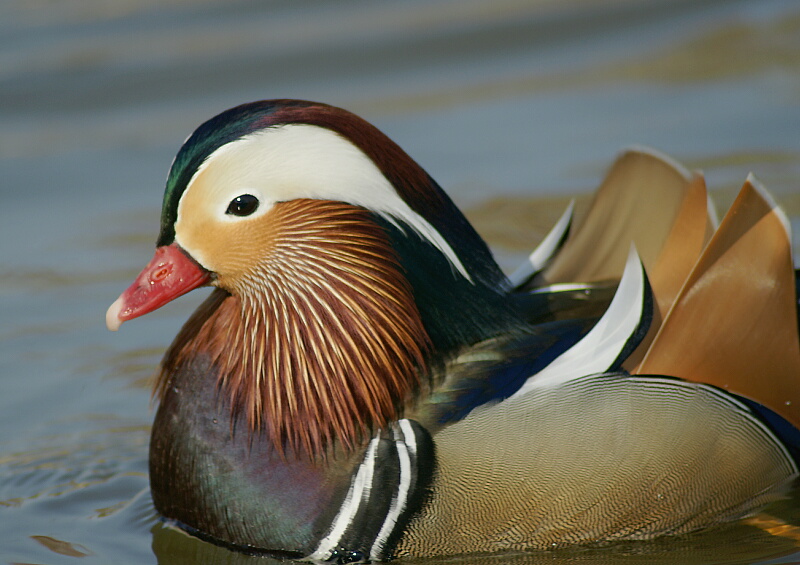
243,205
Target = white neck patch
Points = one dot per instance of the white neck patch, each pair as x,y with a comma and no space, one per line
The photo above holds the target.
294,161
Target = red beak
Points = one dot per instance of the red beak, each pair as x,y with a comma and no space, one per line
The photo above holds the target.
169,274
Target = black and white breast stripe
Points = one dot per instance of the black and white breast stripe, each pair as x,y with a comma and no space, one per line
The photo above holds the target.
387,489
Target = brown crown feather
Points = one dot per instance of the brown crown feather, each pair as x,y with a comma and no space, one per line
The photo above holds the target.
321,341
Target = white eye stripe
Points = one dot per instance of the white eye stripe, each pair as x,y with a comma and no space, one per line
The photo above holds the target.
304,161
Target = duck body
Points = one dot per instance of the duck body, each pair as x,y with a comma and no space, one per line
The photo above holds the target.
365,383
498,480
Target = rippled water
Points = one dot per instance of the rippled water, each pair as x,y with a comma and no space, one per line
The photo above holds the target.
513,106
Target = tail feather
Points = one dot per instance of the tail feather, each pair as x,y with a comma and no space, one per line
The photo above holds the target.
691,231
734,322
639,201
652,201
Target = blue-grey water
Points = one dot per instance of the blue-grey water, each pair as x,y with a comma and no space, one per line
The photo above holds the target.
511,105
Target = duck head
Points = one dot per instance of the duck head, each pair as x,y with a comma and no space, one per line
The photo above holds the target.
343,270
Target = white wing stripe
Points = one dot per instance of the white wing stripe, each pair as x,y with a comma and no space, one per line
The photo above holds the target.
546,250
599,348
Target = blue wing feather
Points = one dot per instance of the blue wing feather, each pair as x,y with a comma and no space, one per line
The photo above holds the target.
493,370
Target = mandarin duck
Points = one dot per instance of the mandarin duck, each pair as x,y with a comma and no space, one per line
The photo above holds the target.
365,383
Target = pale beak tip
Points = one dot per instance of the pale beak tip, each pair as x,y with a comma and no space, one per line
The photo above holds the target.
113,321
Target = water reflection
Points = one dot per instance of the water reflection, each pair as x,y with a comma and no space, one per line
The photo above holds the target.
751,545
62,547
